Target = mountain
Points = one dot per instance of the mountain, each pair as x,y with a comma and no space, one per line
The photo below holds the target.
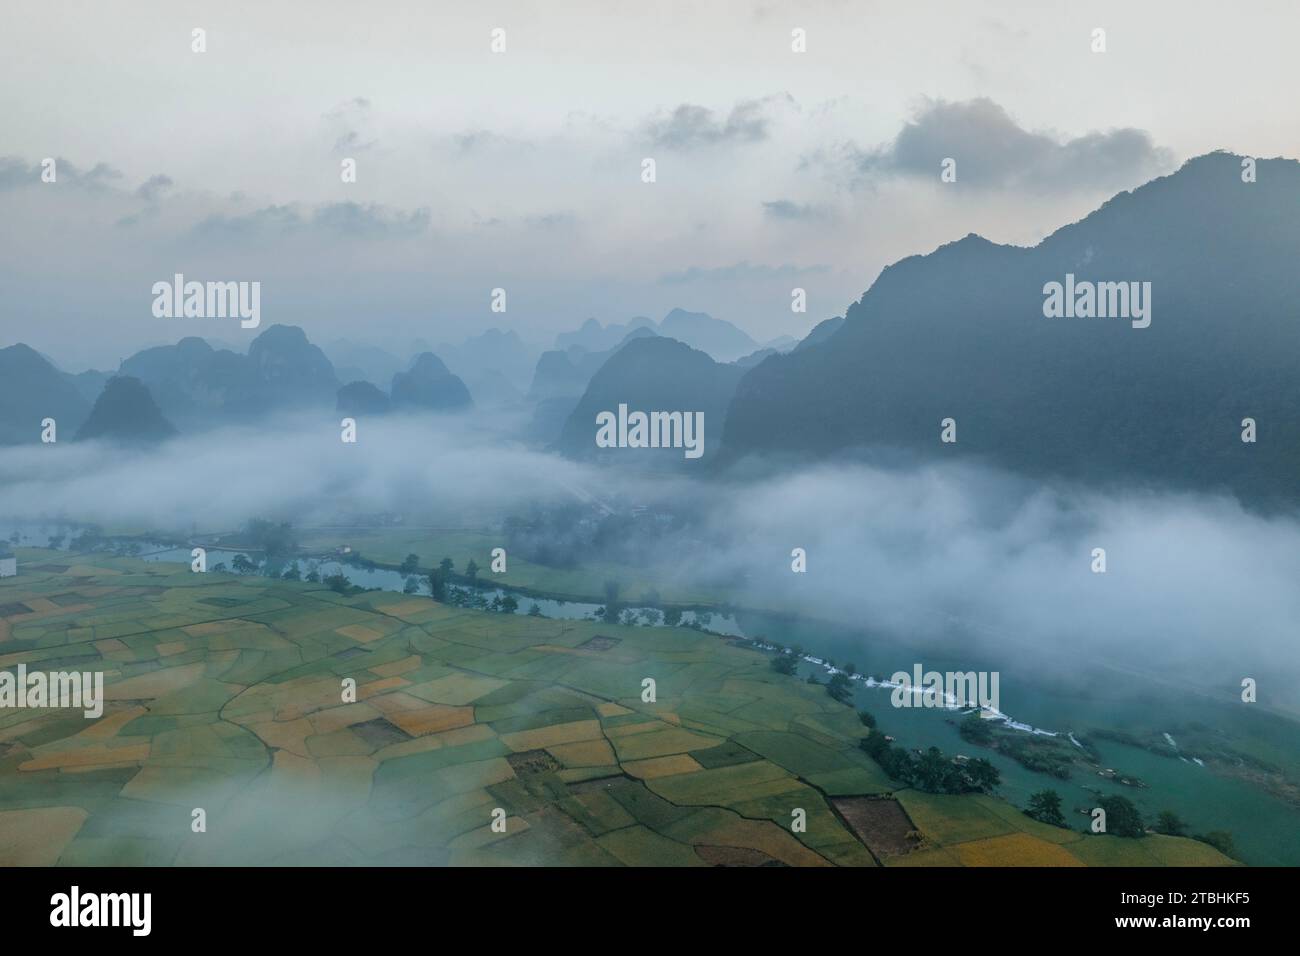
749,361
362,398
821,332
126,412
491,389
722,340
652,374
566,374
198,386
782,343
287,370
429,385
33,390
491,355
593,337
962,333
192,382
89,383
719,338
366,362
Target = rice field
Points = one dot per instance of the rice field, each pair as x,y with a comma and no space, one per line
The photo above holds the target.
262,722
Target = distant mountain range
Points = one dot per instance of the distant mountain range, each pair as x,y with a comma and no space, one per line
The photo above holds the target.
961,333
652,373
493,363
429,385
31,390
719,338
126,413
1202,264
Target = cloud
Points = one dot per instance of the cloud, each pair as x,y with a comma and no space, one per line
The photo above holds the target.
691,127
993,151
795,211
15,174
153,188
355,220
1197,589
344,119
552,220
740,271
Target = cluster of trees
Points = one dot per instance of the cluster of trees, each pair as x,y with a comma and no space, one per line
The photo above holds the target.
840,685
1043,755
930,771
568,535
442,589
554,537
476,600
275,539
1045,807
1124,819
339,583
616,611
784,663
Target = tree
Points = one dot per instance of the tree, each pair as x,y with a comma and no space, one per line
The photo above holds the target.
410,564
242,565
447,566
338,583
673,616
273,538
438,585
471,569
535,610
509,605
1045,807
1221,840
411,586
1170,824
934,772
868,719
976,729
611,591
983,776
1122,817
784,664
291,573
840,688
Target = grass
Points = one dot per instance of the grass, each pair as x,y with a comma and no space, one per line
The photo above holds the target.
227,694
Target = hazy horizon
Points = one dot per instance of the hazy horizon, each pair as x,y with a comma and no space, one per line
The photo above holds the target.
480,170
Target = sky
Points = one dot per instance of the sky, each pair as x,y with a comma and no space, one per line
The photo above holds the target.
522,169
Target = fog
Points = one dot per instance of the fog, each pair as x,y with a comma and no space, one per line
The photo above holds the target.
1196,588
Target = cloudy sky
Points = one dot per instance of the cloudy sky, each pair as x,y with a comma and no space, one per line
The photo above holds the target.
522,169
